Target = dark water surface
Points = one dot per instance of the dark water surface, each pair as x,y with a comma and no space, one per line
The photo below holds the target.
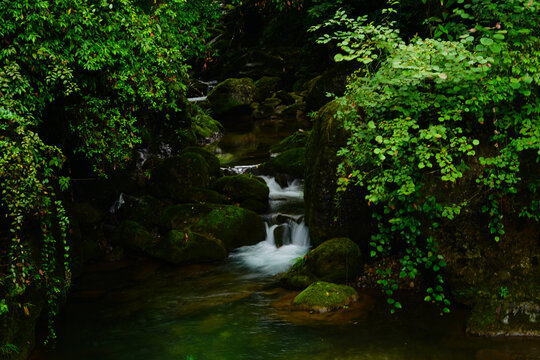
141,310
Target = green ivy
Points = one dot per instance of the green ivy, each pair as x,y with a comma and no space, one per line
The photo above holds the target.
423,111
107,65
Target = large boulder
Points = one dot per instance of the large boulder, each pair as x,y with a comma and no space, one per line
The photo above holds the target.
214,168
335,260
267,85
232,95
249,191
174,177
234,226
176,247
324,297
325,220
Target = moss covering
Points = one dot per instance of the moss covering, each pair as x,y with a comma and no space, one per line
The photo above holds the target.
214,168
249,191
504,318
296,140
176,247
233,225
323,297
232,95
291,162
179,247
335,260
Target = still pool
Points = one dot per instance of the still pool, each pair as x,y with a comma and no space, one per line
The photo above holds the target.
140,310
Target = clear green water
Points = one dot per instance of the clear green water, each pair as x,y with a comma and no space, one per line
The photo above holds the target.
140,310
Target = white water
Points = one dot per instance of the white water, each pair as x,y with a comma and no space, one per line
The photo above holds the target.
265,257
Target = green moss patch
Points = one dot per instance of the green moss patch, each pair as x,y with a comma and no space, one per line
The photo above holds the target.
249,191
323,297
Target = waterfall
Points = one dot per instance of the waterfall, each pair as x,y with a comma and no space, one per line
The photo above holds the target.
275,255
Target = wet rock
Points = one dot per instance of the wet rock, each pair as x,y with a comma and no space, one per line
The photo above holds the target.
291,162
267,85
234,226
504,318
232,95
176,247
174,177
282,235
249,191
335,260
324,297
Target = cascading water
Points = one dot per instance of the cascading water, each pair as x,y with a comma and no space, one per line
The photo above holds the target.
287,236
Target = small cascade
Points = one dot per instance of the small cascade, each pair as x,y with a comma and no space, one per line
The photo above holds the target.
287,236
117,204
209,86
238,170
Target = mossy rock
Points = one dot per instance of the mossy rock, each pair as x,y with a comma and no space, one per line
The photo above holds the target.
202,195
323,297
233,225
179,247
175,176
327,137
282,235
504,318
232,95
176,247
335,260
296,140
249,191
291,162
267,85
214,167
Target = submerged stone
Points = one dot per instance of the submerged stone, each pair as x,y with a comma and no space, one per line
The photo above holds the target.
323,297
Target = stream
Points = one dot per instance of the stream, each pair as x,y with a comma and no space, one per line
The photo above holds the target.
139,309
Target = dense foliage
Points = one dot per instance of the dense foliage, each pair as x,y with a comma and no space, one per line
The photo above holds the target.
98,69
440,112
